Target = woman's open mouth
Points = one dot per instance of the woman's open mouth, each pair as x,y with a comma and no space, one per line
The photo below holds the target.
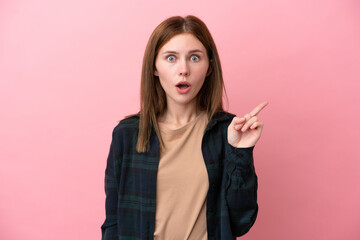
183,87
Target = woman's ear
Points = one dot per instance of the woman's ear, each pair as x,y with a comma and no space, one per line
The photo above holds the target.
156,73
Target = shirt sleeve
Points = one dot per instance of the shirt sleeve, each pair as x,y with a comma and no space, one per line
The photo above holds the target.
241,188
109,227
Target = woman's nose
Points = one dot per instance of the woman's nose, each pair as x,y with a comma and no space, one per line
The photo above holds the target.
184,68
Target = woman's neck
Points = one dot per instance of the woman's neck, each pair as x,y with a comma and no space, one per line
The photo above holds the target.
179,115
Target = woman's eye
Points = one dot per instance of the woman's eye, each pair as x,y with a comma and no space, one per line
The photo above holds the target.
194,58
171,58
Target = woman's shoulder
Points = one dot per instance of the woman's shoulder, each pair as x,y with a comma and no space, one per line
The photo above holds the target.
221,120
223,116
128,123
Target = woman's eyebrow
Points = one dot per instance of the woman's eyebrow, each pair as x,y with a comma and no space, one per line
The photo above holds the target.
195,50
174,52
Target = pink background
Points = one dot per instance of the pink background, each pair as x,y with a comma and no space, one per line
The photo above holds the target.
70,69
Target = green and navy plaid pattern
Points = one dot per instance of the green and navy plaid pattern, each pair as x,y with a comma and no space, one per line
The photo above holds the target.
130,184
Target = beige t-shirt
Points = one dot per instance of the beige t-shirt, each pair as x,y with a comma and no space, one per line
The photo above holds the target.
182,183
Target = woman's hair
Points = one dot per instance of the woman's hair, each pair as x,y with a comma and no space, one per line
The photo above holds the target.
153,98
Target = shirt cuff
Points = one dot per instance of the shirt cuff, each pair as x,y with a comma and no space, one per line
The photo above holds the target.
239,161
240,155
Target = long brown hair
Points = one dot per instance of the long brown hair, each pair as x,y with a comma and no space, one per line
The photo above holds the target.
153,98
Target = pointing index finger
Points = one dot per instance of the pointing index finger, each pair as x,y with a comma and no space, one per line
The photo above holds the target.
258,108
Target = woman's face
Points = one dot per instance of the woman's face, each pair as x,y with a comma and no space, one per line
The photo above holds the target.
182,65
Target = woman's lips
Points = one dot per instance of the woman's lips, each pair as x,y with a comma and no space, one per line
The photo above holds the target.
183,87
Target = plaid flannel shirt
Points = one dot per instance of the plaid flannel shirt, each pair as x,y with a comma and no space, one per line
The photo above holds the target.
130,183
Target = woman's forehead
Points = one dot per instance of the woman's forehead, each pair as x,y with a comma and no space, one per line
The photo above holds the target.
183,42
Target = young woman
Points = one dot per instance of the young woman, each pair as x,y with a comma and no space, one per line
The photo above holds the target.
182,168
